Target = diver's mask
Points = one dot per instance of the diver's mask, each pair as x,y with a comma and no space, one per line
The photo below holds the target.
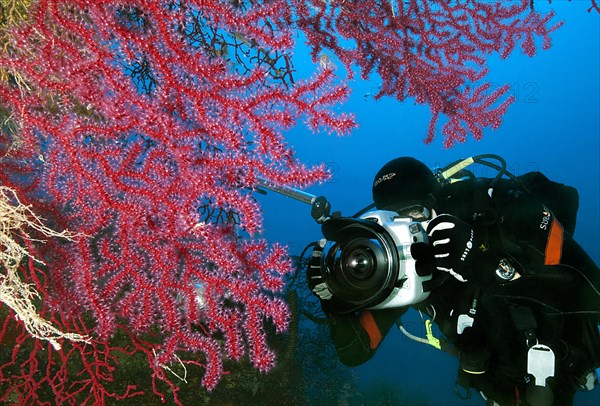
416,212
366,262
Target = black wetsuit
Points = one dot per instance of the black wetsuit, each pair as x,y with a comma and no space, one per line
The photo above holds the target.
554,300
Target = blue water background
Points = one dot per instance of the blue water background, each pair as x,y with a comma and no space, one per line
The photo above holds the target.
553,127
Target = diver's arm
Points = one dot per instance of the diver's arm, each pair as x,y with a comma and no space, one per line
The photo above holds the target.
573,255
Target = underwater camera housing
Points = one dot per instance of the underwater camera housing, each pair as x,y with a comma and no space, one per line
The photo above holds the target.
366,261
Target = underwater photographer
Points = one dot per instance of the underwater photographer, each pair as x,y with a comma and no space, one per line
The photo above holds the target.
491,261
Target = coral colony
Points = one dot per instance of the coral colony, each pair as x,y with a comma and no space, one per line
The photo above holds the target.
141,128
431,51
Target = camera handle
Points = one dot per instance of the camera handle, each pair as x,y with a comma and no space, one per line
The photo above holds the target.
320,207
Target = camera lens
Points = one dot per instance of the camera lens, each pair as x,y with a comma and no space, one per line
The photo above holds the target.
360,263
358,269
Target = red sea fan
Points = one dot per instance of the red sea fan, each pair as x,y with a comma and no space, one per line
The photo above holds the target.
143,125
434,51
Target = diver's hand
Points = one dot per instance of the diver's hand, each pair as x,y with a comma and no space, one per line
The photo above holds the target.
453,245
423,256
314,277
322,291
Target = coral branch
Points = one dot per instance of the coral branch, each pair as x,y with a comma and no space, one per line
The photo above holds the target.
145,126
432,51
19,296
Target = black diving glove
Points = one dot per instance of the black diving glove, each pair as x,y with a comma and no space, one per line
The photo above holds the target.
452,248
314,278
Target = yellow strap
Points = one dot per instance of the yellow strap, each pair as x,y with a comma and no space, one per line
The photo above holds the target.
459,166
430,338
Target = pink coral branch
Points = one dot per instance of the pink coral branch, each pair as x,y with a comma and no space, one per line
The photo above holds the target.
142,174
432,51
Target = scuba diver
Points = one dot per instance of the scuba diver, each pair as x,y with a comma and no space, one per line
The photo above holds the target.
491,261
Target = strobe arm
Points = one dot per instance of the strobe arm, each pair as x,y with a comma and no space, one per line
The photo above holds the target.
320,207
